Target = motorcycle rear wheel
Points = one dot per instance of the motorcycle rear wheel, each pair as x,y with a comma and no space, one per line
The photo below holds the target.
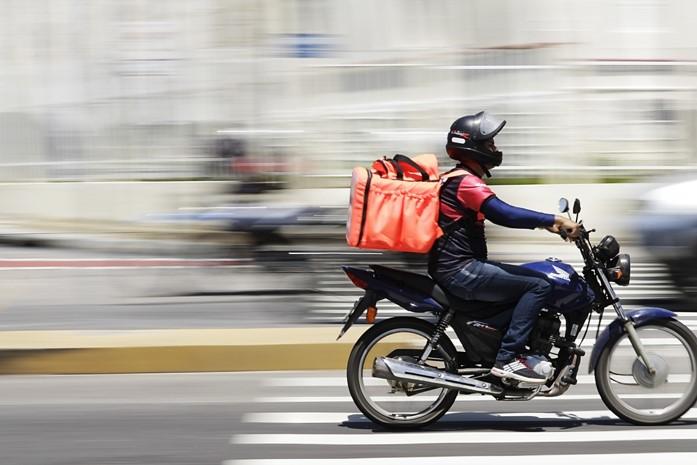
638,397
376,397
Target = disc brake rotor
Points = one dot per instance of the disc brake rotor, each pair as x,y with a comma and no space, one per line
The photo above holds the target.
644,378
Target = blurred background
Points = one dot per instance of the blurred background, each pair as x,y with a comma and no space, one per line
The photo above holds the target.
185,165
227,129
142,90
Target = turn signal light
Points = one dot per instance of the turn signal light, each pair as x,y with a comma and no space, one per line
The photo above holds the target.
620,271
370,314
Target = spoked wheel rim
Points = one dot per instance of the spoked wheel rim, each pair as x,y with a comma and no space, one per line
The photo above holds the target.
647,397
378,392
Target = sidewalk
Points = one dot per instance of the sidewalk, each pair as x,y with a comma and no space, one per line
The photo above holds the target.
157,351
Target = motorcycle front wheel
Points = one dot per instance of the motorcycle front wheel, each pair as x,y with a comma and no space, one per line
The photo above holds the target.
634,394
400,404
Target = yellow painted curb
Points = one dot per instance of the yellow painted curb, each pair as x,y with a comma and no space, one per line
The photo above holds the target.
97,352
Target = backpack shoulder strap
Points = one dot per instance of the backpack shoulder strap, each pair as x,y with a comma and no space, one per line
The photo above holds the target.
444,178
453,173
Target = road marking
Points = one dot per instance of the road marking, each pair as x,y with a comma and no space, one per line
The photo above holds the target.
336,317
339,381
115,263
652,458
349,295
464,398
466,437
452,416
626,294
644,341
317,381
335,253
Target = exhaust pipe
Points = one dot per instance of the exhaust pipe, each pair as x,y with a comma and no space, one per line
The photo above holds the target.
400,370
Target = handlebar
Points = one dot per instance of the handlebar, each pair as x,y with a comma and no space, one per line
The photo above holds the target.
584,234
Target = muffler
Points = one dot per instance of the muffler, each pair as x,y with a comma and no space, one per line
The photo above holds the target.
400,370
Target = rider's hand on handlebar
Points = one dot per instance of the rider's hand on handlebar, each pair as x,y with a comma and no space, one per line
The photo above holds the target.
571,229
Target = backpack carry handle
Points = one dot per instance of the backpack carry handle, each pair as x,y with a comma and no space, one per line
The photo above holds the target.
403,158
391,167
400,171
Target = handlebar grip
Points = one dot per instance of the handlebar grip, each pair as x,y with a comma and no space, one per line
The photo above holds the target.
563,234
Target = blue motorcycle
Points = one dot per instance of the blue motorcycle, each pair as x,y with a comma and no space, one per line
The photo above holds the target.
406,372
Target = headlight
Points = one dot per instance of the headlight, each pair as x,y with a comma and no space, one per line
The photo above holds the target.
607,249
619,269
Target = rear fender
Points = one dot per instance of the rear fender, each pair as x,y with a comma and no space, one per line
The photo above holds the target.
610,335
407,298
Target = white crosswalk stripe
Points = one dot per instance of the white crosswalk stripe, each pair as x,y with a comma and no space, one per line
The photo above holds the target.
313,416
675,458
347,399
329,381
340,417
459,437
312,419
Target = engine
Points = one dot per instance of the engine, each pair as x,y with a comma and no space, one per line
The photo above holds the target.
545,333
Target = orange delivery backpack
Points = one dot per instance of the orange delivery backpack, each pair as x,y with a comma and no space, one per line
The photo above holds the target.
394,204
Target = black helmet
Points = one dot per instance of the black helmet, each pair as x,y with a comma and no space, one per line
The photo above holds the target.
468,134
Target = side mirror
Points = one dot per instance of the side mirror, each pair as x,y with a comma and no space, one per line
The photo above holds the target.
563,205
577,206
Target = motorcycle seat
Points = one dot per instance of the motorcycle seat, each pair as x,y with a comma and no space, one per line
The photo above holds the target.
427,285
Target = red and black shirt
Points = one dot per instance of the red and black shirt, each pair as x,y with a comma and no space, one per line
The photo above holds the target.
464,202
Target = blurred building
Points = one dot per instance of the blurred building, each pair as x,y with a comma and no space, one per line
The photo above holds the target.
140,89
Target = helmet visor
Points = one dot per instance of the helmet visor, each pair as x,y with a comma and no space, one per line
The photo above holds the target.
489,126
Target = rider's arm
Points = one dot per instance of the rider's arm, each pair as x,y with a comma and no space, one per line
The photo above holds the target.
503,214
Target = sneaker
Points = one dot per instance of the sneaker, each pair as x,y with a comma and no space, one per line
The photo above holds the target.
518,370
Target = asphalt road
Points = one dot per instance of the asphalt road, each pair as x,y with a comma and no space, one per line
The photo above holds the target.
302,418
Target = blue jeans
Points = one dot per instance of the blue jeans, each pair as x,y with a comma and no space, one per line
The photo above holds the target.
499,282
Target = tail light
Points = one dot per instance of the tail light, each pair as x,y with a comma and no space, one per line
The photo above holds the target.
356,280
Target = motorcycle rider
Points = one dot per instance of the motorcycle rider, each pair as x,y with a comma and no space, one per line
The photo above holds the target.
458,260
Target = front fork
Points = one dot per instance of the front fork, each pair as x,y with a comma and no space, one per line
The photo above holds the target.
638,346
628,324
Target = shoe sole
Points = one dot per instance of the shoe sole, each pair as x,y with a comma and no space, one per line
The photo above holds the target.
505,374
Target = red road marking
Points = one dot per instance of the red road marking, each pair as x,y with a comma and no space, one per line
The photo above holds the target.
117,262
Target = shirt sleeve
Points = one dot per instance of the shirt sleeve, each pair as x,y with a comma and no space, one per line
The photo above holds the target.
503,214
472,192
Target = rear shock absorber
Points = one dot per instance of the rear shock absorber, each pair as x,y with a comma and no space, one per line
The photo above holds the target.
442,325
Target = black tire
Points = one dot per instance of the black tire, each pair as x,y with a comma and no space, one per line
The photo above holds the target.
602,380
357,359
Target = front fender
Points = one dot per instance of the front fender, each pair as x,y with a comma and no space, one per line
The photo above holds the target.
614,330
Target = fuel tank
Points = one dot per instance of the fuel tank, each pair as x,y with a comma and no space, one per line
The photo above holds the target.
570,292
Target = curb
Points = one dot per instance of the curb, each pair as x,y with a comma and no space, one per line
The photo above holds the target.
141,351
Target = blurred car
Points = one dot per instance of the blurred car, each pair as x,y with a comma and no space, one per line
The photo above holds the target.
268,232
667,226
